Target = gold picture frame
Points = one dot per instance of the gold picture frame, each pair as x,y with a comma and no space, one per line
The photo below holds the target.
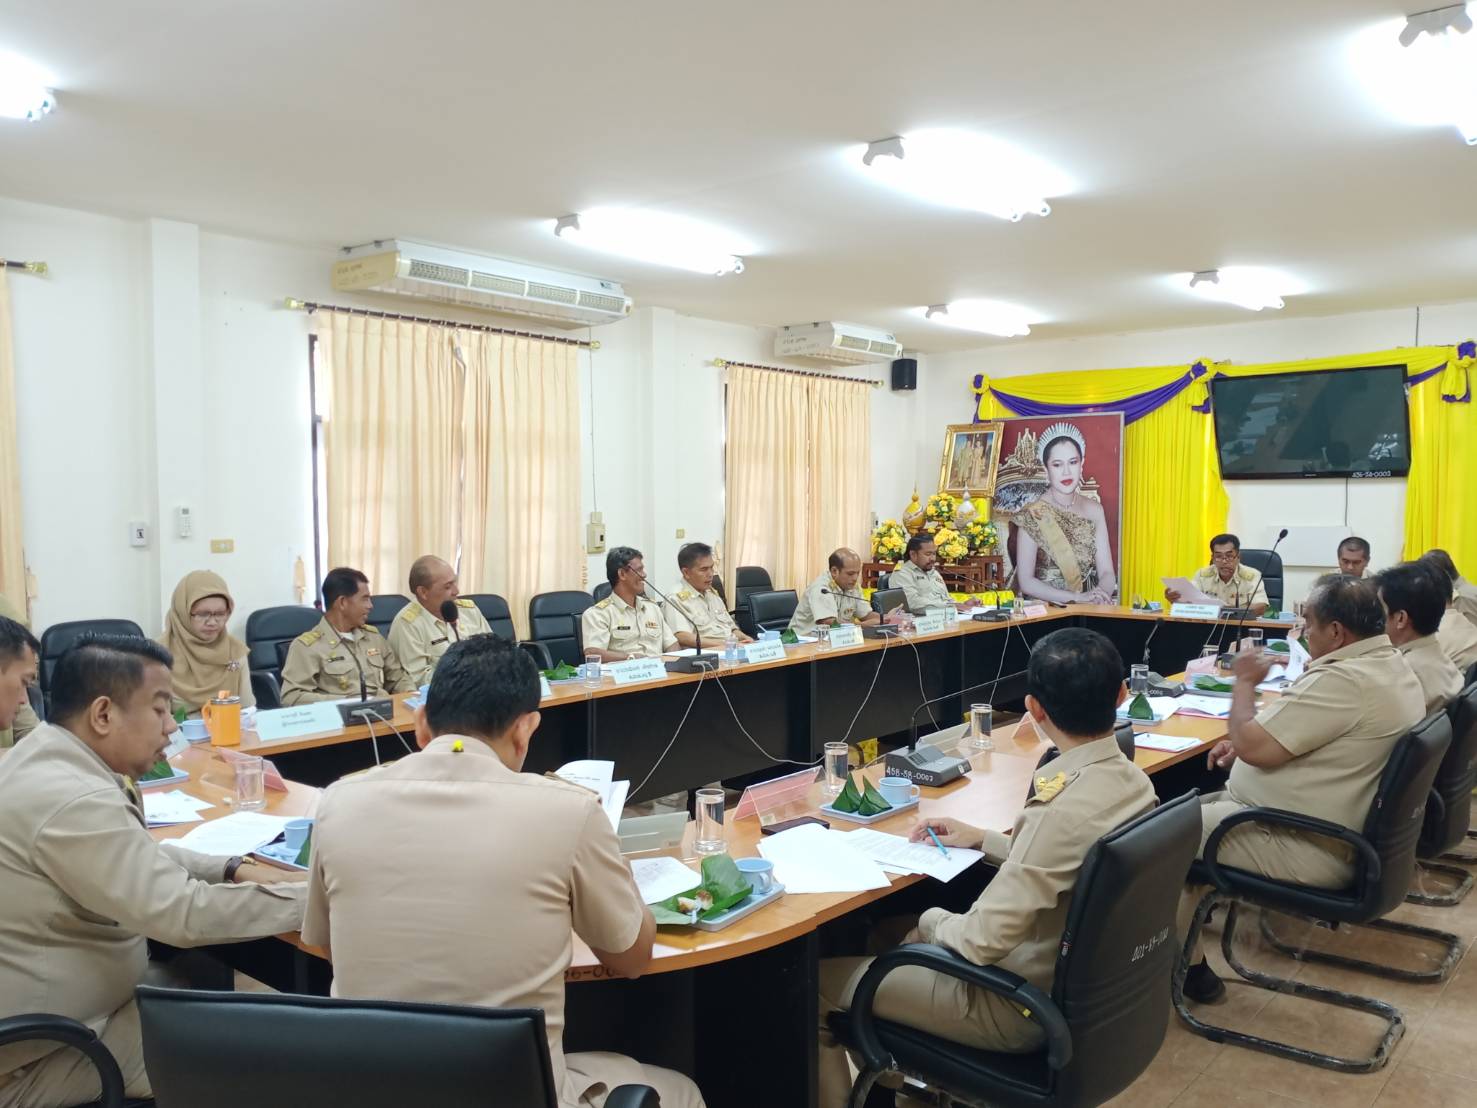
971,458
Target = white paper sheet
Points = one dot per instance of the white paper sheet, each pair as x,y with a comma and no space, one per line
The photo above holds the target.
894,852
659,878
809,859
596,775
1169,744
1189,594
1217,707
238,833
174,806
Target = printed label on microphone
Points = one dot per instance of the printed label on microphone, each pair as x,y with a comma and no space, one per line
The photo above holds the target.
845,634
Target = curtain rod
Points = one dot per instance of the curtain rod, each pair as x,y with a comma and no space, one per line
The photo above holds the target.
723,363
38,268
308,306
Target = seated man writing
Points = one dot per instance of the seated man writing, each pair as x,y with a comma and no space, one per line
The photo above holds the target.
1318,749
1227,580
1074,685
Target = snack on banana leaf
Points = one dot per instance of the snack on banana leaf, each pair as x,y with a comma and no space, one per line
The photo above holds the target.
1209,683
788,637
849,800
872,801
562,672
723,886
1140,709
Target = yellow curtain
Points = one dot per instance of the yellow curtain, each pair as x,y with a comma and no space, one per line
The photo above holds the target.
1440,507
392,444
766,475
521,513
12,552
839,450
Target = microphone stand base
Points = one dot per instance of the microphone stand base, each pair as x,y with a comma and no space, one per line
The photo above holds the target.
366,711
697,663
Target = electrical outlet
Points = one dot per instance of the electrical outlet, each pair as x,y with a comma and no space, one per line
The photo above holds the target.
682,532
222,546
138,533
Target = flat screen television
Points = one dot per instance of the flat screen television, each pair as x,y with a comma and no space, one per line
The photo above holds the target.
1329,423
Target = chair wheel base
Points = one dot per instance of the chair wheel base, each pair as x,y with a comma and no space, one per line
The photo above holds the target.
1455,895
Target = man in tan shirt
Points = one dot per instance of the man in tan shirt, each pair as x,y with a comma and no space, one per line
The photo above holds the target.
330,661
82,882
450,877
1413,596
19,654
1318,749
695,603
1227,580
626,624
1074,684
419,636
23,720
1354,557
918,576
833,597
1457,634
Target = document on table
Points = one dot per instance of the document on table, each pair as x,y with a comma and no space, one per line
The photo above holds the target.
596,775
810,859
1216,707
1189,594
659,878
174,806
1169,744
238,833
895,852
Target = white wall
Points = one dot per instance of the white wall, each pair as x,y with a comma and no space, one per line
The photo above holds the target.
1374,509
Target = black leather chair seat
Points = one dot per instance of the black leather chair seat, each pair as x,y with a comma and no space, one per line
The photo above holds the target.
1330,905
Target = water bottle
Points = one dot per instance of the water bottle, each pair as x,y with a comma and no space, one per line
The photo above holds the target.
730,650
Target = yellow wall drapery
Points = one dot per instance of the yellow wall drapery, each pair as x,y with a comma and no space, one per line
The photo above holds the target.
12,552
1440,504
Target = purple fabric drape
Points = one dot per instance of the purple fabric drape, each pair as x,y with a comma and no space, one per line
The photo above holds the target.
1133,407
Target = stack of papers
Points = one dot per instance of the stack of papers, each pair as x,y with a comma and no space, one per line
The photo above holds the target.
659,878
238,833
1169,744
1189,594
811,859
1216,707
897,854
596,775
175,806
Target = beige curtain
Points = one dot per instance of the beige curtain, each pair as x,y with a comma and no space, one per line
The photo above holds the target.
392,442
12,552
522,510
798,471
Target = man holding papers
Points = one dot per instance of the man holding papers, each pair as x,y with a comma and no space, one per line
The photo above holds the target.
450,877
1226,580
1074,684
1318,749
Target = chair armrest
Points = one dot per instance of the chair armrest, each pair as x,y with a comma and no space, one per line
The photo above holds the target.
1036,1004
541,656
633,1096
1438,805
1279,817
265,688
69,1032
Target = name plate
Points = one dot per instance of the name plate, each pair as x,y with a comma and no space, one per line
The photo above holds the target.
932,621
637,669
1031,611
1195,611
845,634
276,724
768,650
543,687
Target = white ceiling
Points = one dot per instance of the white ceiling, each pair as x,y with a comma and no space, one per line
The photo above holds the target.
1202,134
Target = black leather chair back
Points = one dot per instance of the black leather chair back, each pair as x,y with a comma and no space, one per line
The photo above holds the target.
1270,564
554,620
884,581
1119,949
384,608
1470,678
60,637
495,610
601,591
748,580
1399,810
1449,810
719,587
311,1051
266,627
771,611
885,600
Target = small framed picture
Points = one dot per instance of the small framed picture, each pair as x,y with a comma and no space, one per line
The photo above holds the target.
971,456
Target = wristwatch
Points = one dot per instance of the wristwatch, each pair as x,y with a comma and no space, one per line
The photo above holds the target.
233,863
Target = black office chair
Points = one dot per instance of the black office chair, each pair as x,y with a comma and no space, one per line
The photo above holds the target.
884,581
368,1053
60,637
269,631
37,702
384,607
499,618
1470,677
554,620
1107,1013
71,1033
601,591
1449,808
719,588
771,611
1123,733
1269,562
748,580
1384,863
885,600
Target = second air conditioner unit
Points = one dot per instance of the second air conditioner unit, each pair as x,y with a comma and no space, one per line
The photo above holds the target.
848,343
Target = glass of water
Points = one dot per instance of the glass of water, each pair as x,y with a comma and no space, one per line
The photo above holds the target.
837,764
1251,640
822,635
1138,680
592,670
710,838
981,726
250,785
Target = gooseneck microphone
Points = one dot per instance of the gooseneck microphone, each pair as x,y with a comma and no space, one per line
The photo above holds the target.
449,616
1245,612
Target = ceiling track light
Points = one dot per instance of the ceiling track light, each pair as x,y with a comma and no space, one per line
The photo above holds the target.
964,169
988,317
1436,22
25,89
1249,289
654,237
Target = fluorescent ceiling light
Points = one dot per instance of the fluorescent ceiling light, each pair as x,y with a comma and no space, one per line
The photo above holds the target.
991,317
655,237
961,169
1246,286
1422,70
25,91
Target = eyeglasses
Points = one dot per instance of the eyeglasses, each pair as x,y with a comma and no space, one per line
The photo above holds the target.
210,617
1224,555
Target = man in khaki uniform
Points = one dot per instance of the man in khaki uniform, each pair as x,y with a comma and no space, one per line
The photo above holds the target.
330,661
419,636
1354,556
1226,579
494,872
1075,683
84,882
625,624
832,597
1413,596
1457,634
1466,599
1318,749
24,720
922,584
695,603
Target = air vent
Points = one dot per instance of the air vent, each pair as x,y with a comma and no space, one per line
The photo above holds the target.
431,271
552,293
605,303
851,342
493,283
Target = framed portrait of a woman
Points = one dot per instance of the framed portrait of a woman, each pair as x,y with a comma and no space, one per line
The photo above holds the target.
971,457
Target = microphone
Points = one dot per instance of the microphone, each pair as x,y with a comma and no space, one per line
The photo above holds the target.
449,617
365,709
918,712
995,615
699,662
881,630
1245,612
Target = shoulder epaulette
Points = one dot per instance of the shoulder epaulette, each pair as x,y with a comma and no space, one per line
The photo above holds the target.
409,612
603,603
685,594
1048,788
308,638
463,602
371,628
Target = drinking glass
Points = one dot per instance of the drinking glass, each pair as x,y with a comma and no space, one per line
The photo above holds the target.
1138,680
1211,652
981,725
1252,640
250,785
710,839
592,670
822,636
837,755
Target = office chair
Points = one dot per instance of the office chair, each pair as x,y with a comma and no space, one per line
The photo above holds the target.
1384,863
384,607
1106,1016
72,1033
499,618
269,631
313,1051
885,599
60,637
748,580
554,620
1449,807
601,591
771,611
1269,562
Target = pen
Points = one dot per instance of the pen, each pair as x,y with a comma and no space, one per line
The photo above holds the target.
936,842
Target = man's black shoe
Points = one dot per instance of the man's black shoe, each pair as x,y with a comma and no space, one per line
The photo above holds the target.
1202,985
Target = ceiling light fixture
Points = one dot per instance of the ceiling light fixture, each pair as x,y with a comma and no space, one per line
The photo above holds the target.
1430,77
990,317
962,169
24,91
655,237
1249,287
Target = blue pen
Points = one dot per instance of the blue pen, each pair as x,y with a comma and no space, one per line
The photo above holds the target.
936,842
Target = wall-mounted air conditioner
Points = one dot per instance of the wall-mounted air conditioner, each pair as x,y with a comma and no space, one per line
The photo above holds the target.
849,343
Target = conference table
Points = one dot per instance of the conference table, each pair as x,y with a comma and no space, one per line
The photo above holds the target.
755,719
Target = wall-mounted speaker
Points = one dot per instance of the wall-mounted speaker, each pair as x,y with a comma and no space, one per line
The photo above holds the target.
905,375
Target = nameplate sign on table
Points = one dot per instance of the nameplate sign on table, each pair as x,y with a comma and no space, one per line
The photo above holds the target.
1195,611
633,670
276,724
1032,611
845,634
932,621
768,650
543,687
